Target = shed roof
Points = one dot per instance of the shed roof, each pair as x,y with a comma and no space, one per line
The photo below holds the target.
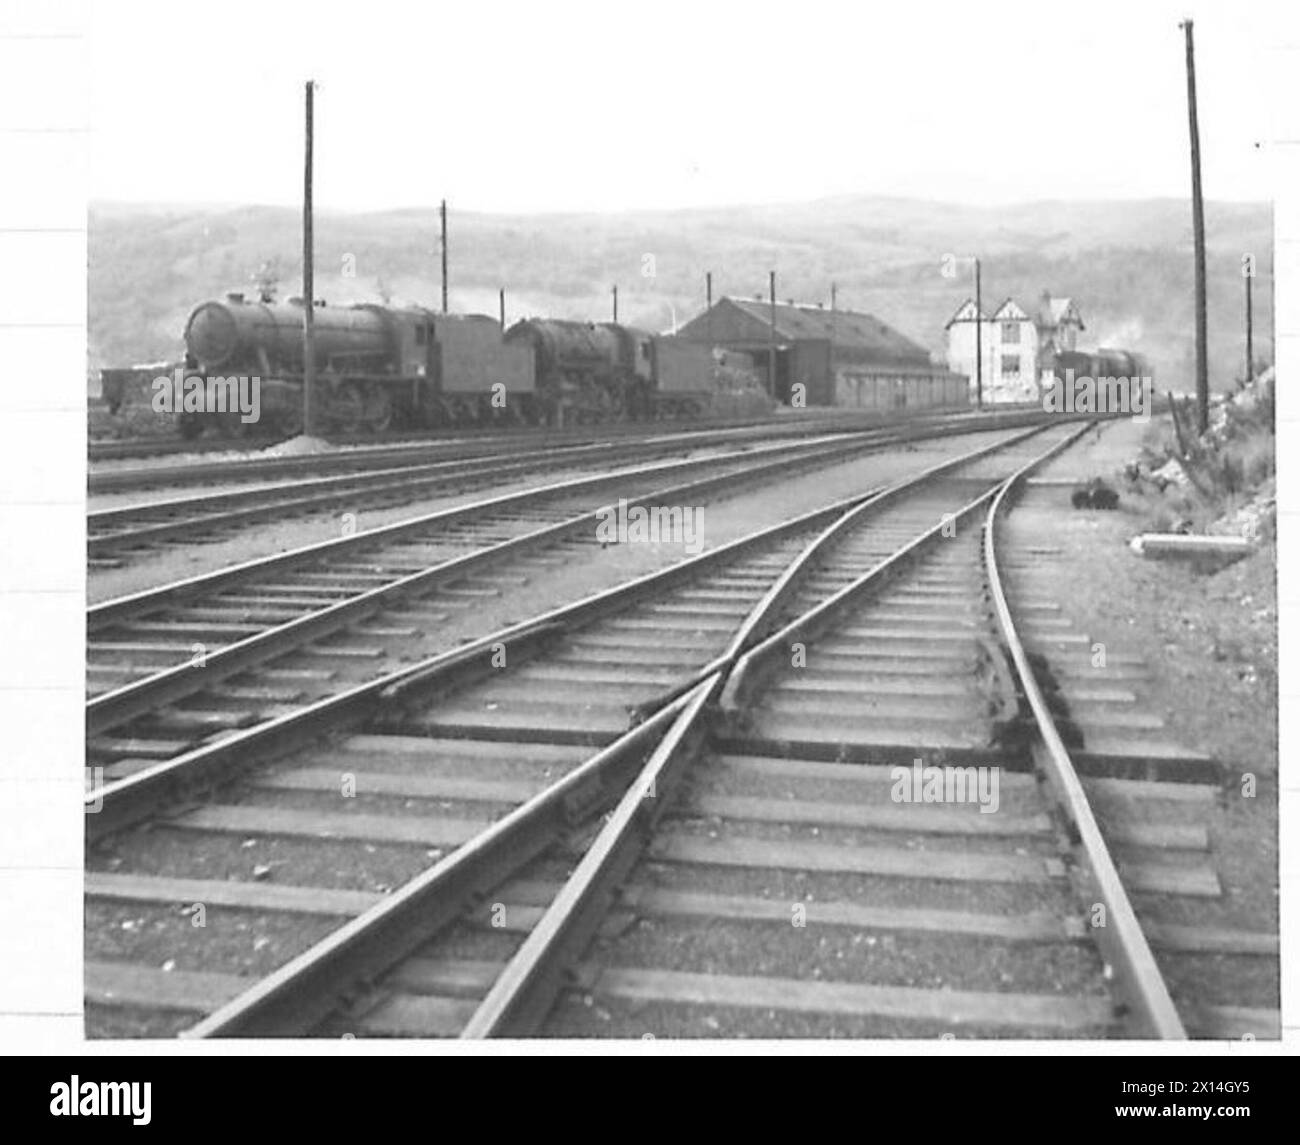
843,328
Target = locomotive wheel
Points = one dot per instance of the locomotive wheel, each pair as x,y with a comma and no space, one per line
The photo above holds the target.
379,410
349,408
614,405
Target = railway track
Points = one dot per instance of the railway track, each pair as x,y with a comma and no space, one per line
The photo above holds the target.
171,666
482,847
130,448
416,451
482,440
246,469
117,535
773,871
435,778
252,470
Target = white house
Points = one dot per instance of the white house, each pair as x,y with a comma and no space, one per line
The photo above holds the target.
1016,349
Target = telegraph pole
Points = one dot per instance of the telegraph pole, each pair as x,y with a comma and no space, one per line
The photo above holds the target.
1250,326
708,306
443,213
830,351
503,309
308,284
614,291
1198,237
771,335
979,339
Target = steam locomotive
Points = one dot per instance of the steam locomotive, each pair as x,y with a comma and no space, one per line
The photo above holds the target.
1103,363
380,367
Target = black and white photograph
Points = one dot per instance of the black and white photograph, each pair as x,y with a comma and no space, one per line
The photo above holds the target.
690,523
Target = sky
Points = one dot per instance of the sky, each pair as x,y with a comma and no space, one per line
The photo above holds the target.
567,105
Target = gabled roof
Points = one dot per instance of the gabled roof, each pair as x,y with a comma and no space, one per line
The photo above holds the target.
1052,312
1010,311
844,328
965,313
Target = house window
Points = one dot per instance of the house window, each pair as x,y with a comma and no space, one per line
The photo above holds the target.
419,335
1011,365
1010,332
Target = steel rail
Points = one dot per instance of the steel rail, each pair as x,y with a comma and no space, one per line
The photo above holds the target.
757,662
457,448
276,501
122,802
297,995
1120,940
787,583
120,608
524,992
110,709
304,990
415,449
361,482
424,471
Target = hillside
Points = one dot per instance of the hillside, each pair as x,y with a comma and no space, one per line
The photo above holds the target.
1129,265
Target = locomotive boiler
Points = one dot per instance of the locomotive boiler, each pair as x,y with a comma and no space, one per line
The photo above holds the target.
589,371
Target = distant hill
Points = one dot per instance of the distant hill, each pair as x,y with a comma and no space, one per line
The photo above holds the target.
1128,265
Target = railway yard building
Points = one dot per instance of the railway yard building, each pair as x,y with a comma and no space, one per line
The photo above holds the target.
839,357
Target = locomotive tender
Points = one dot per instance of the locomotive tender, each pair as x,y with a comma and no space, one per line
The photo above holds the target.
1103,363
378,367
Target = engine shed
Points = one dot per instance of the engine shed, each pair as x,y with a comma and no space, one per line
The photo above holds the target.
839,357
